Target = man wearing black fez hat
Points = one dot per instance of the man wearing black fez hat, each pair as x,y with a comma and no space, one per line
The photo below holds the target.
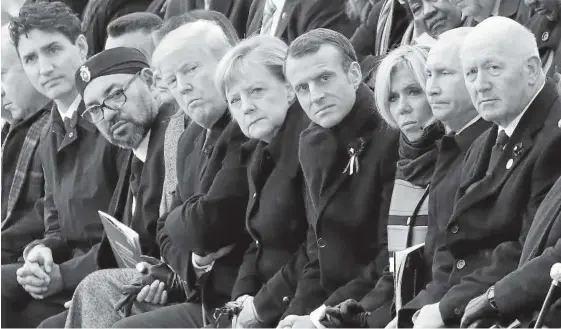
80,169
115,85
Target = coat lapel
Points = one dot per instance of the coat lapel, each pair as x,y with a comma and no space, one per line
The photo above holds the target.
285,17
253,172
518,147
256,21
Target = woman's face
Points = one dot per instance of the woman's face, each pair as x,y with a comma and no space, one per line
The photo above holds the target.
259,102
408,103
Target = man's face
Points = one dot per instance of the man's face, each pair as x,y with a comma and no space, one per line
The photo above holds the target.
137,40
475,8
549,8
325,90
446,89
50,60
189,76
19,97
437,16
127,125
496,80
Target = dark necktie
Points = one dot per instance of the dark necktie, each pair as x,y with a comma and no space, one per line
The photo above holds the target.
136,173
502,140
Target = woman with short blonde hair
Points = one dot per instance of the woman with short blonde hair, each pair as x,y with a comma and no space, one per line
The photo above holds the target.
250,77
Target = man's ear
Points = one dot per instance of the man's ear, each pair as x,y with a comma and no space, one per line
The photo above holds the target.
355,74
535,71
82,44
148,76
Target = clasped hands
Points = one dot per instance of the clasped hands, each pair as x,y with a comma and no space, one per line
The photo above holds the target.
39,275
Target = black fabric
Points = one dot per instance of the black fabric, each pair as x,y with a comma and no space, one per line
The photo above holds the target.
185,315
55,321
416,159
548,38
502,139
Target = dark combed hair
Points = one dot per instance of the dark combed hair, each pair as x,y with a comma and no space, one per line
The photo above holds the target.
310,42
45,16
133,22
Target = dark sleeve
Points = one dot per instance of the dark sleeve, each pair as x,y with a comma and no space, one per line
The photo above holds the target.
505,256
364,37
513,294
275,295
209,221
248,281
309,15
309,293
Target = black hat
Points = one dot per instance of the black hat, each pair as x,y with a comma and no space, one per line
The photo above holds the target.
120,60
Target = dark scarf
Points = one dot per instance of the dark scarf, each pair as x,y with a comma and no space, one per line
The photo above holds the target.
417,159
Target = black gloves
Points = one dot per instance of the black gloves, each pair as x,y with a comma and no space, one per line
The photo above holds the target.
348,314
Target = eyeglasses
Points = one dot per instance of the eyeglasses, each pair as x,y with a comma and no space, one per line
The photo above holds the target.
113,101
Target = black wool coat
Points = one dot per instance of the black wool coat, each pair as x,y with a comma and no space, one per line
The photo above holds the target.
492,214
208,212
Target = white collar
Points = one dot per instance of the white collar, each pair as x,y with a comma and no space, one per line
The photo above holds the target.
509,129
71,109
279,4
141,152
472,121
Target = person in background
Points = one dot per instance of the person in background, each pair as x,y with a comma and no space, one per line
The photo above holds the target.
545,24
507,171
265,107
99,13
135,31
288,19
478,10
80,167
202,239
402,102
27,113
348,156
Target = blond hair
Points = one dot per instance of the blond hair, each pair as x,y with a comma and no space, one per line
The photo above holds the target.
414,59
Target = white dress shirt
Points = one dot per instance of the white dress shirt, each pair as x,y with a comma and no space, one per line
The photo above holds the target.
71,109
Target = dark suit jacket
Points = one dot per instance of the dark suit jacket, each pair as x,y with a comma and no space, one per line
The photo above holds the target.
521,293
209,210
23,185
548,37
492,213
235,10
301,16
149,196
275,216
347,215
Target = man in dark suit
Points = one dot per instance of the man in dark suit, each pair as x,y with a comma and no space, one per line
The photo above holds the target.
508,171
546,26
347,203
288,19
235,10
521,293
81,170
481,9
202,239
26,113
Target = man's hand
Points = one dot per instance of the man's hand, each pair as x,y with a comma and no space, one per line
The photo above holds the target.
248,316
208,259
33,279
56,284
153,294
477,309
429,317
41,255
296,321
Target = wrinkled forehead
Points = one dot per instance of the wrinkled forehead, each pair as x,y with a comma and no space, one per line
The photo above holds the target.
35,40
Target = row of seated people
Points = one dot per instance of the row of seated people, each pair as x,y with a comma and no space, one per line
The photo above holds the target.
298,218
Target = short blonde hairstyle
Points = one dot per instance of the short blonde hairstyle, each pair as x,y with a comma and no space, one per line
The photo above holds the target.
414,59
238,62
209,34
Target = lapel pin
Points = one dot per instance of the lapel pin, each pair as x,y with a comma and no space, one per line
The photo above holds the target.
283,16
355,149
545,36
517,149
509,163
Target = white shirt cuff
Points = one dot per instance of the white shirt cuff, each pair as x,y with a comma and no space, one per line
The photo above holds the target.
318,315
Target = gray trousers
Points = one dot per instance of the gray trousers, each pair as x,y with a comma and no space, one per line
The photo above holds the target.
93,303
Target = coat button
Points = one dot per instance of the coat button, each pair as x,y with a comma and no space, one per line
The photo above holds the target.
458,311
286,300
257,243
454,229
461,264
71,135
321,243
545,36
255,195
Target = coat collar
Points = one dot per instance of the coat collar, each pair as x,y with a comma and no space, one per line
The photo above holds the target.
58,124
